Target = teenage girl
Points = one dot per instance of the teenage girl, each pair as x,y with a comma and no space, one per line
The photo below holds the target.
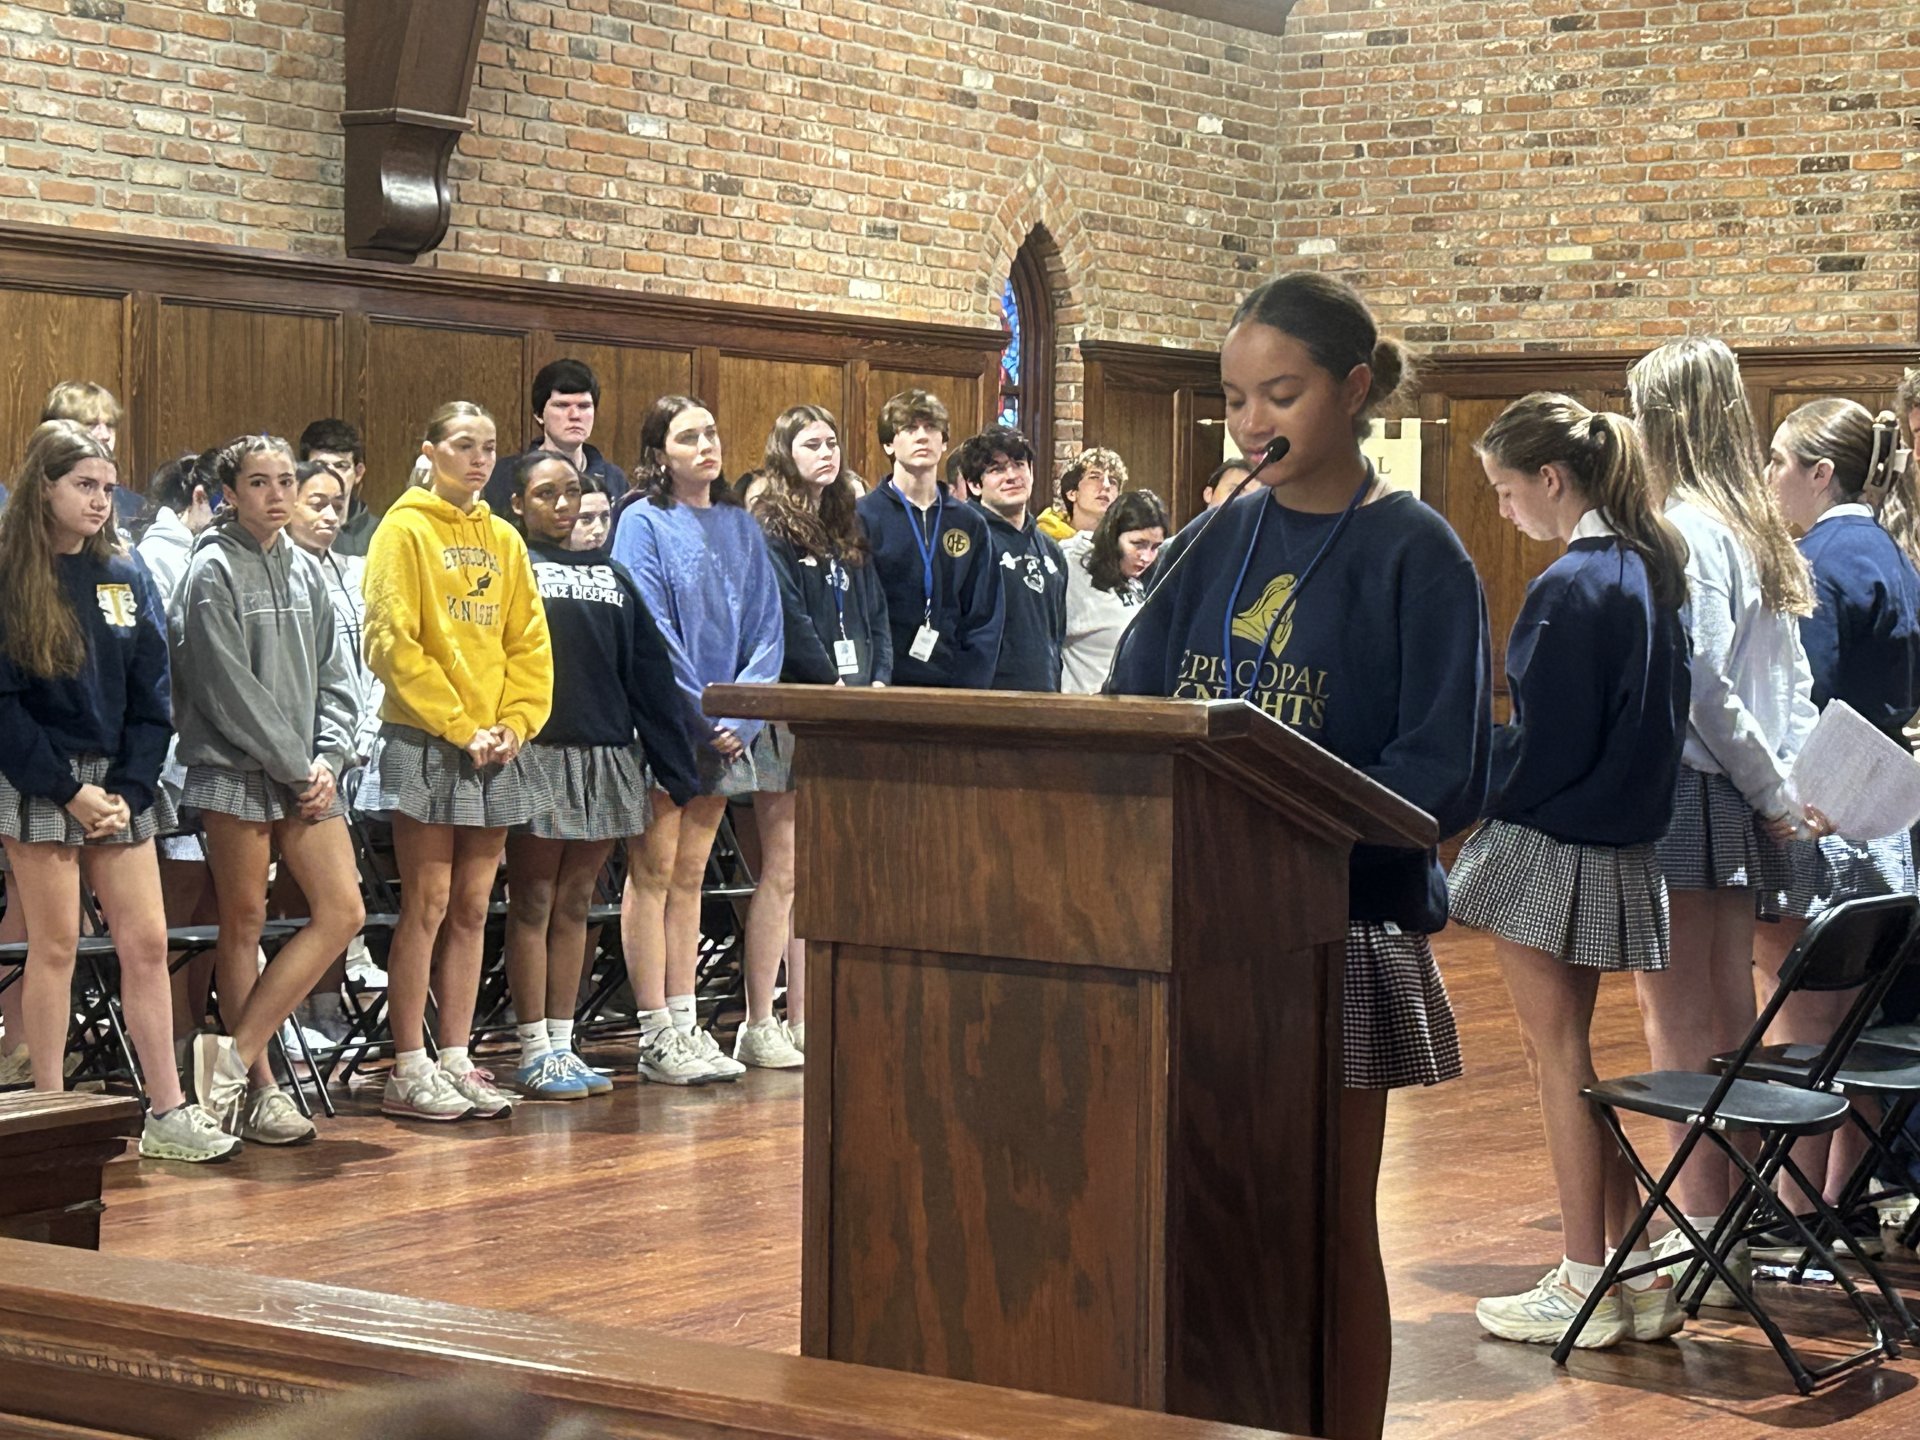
83,728
1350,613
1564,872
1104,584
1835,469
1751,710
457,635
264,708
593,527
613,680
702,567
837,633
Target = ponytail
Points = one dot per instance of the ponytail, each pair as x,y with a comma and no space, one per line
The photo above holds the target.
1601,452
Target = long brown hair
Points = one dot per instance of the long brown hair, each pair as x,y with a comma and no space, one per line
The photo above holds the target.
1135,510
650,475
782,505
1864,451
1700,440
1601,452
43,635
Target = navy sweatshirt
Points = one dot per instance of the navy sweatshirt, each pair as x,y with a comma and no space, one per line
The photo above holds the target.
1385,662
1863,638
117,706
1600,682
612,674
814,622
968,606
1033,576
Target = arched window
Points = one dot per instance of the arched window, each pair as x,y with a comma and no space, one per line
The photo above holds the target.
1026,366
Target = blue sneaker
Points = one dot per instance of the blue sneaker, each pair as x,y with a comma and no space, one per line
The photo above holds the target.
596,1083
548,1078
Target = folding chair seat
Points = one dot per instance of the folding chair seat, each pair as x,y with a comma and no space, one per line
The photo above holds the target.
1860,947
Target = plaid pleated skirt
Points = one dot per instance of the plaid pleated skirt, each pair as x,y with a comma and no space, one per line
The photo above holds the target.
1396,1023
767,765
600,792
1715,841
249,795
1824,872
427,779
35,820
1603,907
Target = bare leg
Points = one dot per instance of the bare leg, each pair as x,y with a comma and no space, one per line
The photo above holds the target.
1808,1018
425,854
643,903
126,881
796,982
699,822
46,891
240,854
186,888
476,865
533,870
567,930
770,915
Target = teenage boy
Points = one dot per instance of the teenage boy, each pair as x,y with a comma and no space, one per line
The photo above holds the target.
997,466
933,555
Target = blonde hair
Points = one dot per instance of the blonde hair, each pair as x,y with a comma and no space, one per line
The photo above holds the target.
442,420
82,402
1700,439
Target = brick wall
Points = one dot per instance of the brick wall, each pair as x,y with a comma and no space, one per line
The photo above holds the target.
1609,172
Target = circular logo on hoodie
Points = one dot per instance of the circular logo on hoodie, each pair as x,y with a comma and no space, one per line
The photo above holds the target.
956,543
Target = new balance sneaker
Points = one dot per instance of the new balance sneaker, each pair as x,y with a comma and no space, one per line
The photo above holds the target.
271,1118
764,1043
1654,1311
548,1078
798,1035
723,1065
488,1101
427,1096
596,1083
1717,1294
1542,1315
186,1133
667,1057
219,1079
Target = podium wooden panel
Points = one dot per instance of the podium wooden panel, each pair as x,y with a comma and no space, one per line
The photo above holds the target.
1074,1042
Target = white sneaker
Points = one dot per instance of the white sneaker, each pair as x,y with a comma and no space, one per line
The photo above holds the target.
1542,1315
798,1035
187,1133
271,1118
1717,1295
219,1079
765,1043
723,1065
362,972
428,1096
1654,1311
488,1101
667,1057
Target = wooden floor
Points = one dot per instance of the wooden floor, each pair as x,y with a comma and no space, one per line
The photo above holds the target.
694,1231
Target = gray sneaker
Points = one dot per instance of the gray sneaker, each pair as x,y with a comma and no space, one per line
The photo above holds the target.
667,1057
187,1133
271,1118
488,1101
766,1044
427,1096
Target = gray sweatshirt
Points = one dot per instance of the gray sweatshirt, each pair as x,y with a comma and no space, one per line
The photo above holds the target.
260,671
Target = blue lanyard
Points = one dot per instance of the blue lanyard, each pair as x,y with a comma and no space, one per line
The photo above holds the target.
1285,608
834,576
921,542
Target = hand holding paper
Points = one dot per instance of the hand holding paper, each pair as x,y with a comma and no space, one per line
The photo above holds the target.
1864,784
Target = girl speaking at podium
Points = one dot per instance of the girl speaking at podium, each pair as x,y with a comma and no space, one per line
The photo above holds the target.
1351,614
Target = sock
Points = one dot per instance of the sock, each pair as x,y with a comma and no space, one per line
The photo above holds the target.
455,1060
1704,1224
683,1013
411,1064
1634,1258
560,1035
534,1045
652,1022
1581,1277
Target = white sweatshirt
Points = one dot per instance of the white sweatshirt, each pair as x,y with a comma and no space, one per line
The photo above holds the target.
1095,620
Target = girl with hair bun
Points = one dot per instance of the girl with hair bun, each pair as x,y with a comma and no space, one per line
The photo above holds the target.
1350,613
1565,872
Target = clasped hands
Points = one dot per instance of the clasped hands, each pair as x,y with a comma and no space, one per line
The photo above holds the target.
495,746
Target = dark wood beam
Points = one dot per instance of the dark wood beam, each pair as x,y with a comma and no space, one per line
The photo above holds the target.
410,67
1269,17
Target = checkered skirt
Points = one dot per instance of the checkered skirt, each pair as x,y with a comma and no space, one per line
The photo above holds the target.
767,765
427,779
1715,841
1602,907
249,795
1824,872
599,792
35,820
1396,1022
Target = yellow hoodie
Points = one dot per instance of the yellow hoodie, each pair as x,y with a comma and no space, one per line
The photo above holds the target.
455,629
1054,524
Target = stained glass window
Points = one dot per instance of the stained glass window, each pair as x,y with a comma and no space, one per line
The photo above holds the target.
1010,406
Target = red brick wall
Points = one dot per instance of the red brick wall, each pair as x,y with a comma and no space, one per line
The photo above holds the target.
1609,172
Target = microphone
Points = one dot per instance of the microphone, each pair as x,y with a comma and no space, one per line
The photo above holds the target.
1277,449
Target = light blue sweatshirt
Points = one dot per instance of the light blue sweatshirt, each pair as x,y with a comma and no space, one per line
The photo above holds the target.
706,576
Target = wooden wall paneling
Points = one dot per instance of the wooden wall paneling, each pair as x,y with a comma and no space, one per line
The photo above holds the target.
50,336
632,377
753,391
856,416
412,370
1141,401
225,372
1199,444
961,393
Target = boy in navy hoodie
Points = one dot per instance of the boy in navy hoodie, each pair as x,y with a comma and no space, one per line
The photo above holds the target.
997,468
934,556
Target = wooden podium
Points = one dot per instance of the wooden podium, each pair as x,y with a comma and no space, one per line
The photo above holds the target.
1073,1070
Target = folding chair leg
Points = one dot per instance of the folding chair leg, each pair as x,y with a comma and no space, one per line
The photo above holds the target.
1829,1218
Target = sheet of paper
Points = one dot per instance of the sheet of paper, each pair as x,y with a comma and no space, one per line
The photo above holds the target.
1866,784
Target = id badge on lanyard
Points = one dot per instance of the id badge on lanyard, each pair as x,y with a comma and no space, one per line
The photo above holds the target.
926,637
846,655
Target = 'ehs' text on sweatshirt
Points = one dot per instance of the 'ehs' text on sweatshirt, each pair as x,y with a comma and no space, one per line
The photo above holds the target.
1863,638
1033,580
964,603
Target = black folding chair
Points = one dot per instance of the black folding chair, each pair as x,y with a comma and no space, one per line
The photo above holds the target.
1859,946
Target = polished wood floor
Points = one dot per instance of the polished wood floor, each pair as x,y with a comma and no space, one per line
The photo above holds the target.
694,1231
